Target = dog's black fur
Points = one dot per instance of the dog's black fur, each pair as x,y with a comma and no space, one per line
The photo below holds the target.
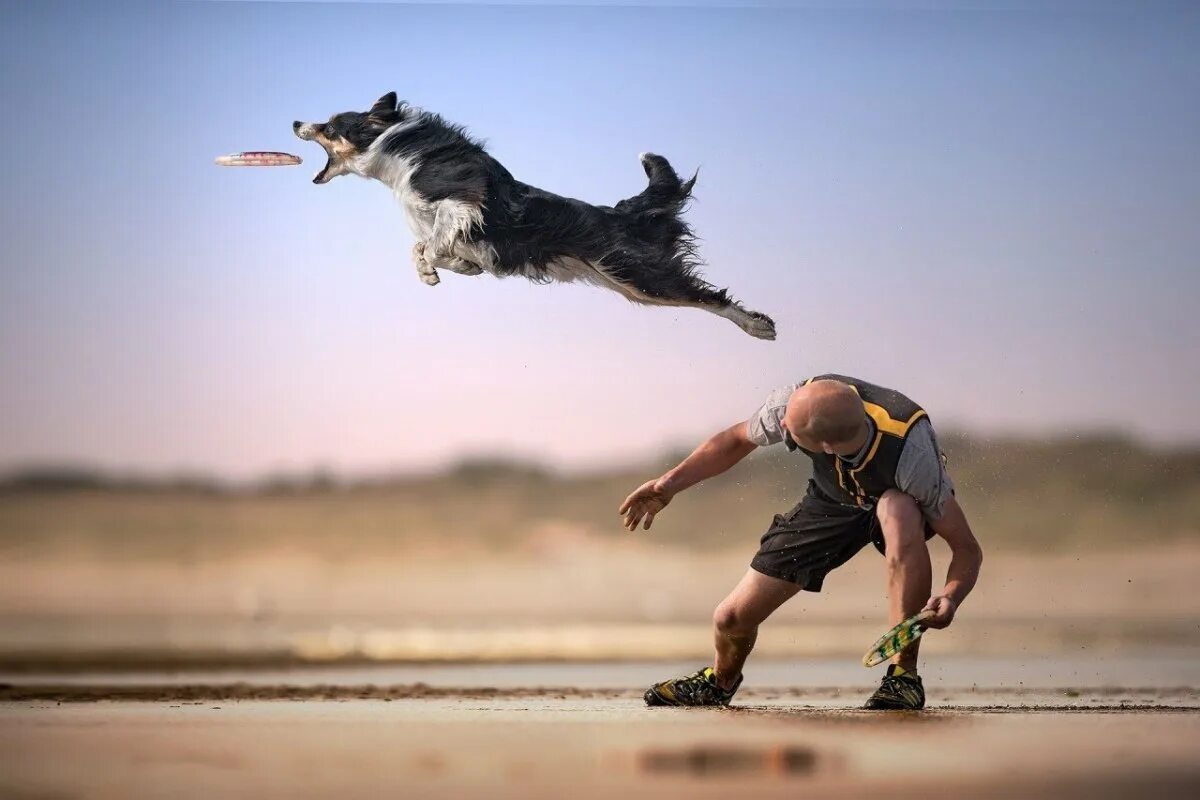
472,216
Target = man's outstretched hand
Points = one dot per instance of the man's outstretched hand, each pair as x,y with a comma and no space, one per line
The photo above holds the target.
943,609
646,501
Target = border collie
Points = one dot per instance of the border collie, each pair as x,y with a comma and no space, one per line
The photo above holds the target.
471,216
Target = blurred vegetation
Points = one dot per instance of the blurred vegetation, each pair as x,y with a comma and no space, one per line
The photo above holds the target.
1076,492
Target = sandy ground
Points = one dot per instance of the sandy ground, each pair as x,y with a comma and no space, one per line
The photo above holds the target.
578,603
568,582
1065,676
594,746
559,730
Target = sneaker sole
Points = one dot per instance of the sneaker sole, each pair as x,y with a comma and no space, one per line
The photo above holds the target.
654,699
890,707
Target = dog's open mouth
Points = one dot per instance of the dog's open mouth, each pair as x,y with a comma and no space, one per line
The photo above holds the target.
324,175
307,131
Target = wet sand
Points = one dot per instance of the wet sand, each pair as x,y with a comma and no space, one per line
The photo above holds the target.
1149,668
515,744
825,699
557,730
345,684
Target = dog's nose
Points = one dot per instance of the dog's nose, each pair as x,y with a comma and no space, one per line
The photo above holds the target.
296,125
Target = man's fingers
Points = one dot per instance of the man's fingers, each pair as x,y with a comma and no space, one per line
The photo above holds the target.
638,506
938,604
633,500
943,612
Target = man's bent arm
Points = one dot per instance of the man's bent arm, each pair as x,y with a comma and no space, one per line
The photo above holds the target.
713,457
966,555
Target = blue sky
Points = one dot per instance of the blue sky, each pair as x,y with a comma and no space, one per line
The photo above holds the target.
992,207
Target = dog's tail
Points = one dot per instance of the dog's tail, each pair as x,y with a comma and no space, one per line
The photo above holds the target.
665,193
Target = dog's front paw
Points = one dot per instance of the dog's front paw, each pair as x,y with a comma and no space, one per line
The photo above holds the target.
426,273
418,256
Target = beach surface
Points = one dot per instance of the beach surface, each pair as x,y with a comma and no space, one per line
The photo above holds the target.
518,673
581,730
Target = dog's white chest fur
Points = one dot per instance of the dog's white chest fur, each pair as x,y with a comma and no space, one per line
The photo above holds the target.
397,173
420,216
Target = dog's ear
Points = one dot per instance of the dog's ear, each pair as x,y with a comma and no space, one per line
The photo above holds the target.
384,105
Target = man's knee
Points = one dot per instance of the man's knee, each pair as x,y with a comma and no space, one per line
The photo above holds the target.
728,619
902,524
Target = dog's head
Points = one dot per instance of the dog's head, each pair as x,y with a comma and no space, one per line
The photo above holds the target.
347,136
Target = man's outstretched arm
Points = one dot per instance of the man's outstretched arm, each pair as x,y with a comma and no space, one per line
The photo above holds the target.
713,457
966,556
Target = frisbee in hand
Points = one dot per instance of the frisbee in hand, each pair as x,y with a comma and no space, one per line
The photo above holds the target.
896,639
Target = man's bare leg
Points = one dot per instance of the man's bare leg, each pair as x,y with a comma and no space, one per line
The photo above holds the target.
910,575
736,621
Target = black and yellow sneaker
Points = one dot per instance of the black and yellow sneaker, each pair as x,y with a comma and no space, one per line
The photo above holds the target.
697,689
899,691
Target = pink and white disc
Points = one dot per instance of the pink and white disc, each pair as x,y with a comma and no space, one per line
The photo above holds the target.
258,158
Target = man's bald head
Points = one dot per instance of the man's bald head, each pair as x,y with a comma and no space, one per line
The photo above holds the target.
824,414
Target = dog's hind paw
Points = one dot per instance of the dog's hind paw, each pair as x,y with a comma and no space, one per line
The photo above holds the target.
760,326
429,278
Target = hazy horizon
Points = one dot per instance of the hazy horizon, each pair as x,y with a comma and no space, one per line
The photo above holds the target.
993,210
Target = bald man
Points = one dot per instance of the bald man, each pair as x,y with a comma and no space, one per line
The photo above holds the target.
878,477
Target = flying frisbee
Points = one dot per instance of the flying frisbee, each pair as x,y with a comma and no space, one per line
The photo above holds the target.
258,158
896,639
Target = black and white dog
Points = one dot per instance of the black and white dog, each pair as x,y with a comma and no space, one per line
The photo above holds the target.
471,216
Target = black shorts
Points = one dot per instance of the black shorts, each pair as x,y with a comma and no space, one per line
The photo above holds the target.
815,538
